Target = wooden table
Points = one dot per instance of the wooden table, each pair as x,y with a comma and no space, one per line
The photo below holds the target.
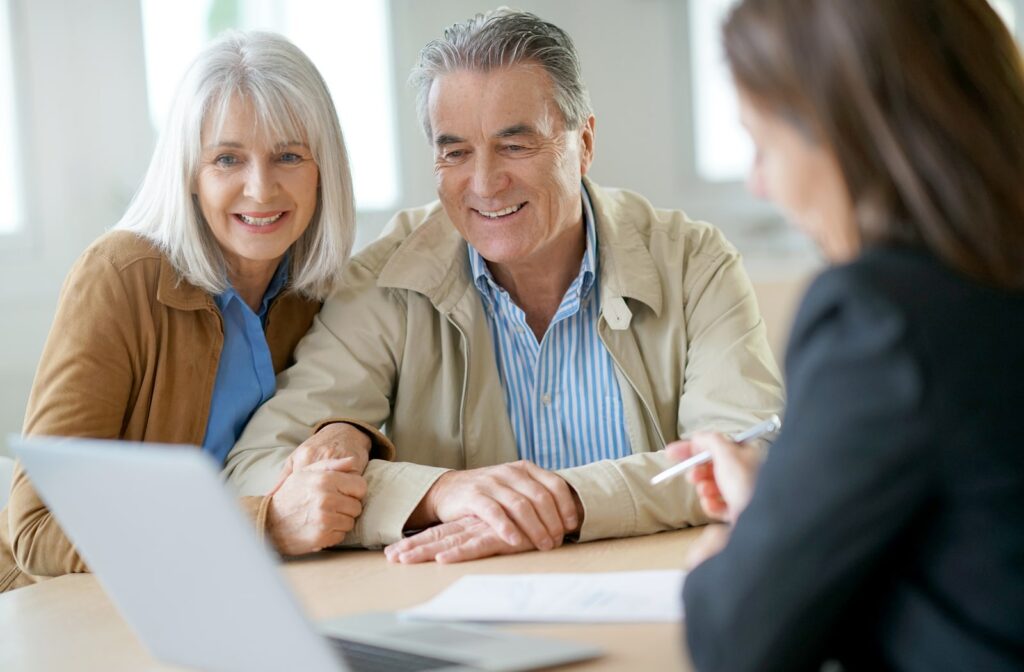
69,624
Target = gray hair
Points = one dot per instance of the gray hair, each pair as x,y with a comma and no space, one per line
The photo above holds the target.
500,39
290,100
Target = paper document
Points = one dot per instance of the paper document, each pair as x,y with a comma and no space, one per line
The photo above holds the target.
610,597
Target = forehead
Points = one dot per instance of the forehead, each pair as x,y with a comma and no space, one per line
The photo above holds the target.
241,119
467,101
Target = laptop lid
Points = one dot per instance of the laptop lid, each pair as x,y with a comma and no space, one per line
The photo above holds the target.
175,554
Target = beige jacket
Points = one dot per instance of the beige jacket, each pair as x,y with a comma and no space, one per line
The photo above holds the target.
404,345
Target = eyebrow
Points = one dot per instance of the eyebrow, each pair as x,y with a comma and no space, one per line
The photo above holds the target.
517,129
508,132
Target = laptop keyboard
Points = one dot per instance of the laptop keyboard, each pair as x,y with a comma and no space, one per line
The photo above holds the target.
362,657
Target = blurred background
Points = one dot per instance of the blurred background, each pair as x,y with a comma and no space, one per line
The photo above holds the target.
84,86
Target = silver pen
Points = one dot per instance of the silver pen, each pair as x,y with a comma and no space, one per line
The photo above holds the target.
772,424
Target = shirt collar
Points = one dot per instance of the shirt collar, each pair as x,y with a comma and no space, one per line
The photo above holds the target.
486,285
277,283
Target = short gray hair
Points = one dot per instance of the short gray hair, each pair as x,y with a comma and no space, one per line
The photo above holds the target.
290,100
500,39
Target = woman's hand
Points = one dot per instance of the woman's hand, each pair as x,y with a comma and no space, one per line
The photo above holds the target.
725,484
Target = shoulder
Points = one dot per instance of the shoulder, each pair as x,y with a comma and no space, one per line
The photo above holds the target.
118,258
668,234
861,309
123,249
410,227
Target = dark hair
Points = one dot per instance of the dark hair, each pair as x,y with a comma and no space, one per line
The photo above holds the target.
922,102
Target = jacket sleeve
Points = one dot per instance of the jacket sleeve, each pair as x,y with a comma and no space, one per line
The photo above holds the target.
730,382
345,370
82,388
844,480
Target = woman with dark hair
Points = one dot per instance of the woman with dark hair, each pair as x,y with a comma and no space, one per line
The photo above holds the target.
885,529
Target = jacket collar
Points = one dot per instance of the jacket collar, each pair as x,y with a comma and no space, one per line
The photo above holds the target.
433,260
175,292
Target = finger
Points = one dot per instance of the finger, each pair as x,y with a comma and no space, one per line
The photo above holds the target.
342,504
473,549
302,457
715,507
429,548
543,501
680,450
561,493
350,485
333,464
421,538
523,513
492,513
701,473
708,489
722,449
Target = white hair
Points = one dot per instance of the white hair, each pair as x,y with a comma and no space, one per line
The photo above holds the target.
498,39
290,100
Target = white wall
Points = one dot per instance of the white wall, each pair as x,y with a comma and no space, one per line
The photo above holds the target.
88,139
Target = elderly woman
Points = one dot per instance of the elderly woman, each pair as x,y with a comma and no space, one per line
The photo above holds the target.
885,530
172,327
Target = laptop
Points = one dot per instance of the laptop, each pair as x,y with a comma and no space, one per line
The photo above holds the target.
184,567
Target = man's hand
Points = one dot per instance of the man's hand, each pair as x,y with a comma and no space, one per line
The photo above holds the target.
464,539
335,441
315,507
520,501
725,484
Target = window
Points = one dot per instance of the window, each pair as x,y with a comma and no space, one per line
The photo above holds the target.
348,41
10,191
723,151
1007,10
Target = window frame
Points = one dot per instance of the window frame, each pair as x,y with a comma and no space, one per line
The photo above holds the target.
19,239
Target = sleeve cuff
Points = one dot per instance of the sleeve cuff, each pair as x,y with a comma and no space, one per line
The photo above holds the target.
608,507
381,447
394,490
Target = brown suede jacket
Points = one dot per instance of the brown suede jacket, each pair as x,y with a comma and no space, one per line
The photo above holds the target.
132,354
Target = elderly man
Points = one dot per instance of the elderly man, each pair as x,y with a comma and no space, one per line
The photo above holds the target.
529,343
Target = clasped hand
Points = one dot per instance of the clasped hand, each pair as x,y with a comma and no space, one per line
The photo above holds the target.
496,510
320,492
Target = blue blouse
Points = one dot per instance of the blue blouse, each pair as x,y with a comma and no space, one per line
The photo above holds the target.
245,373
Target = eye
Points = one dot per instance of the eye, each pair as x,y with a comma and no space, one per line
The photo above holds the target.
226,160
290,157
514,148
454,155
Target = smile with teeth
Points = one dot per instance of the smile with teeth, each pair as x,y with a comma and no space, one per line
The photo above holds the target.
501,213
260,221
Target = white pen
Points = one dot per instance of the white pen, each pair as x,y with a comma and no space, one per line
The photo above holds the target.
772,424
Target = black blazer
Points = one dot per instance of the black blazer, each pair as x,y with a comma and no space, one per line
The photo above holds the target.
886,530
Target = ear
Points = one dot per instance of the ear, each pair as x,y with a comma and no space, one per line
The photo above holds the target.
586,145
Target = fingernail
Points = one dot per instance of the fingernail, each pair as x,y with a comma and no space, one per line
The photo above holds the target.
515,539
545,544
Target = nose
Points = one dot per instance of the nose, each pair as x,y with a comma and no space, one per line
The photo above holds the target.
261,182
489,176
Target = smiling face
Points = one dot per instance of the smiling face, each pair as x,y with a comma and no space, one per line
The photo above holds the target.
257,195
803,178
508,171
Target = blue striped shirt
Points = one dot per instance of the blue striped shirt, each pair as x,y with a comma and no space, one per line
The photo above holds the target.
561,394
